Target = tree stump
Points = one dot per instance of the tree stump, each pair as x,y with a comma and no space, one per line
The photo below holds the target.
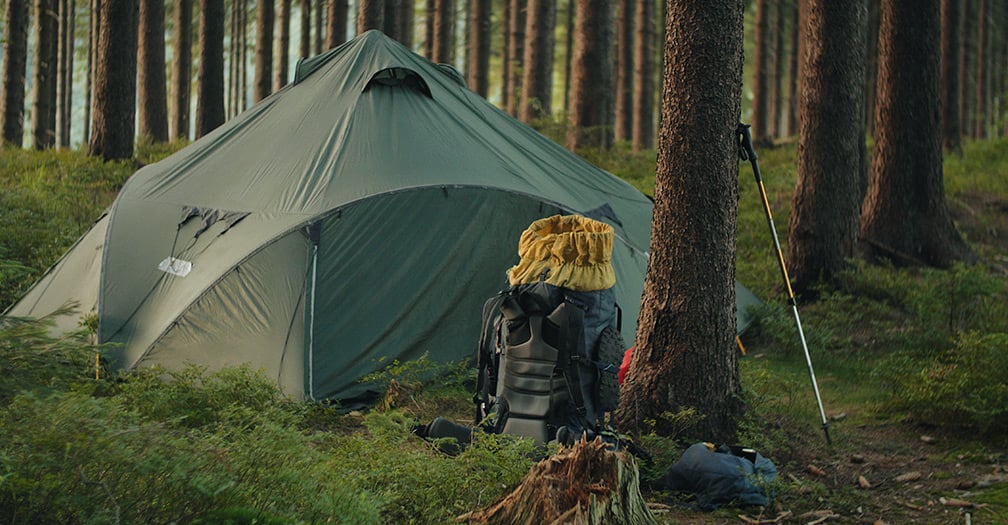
585,484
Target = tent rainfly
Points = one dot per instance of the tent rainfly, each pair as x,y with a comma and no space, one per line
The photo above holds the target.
361,214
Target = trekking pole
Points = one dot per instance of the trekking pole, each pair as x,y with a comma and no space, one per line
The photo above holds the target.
746,152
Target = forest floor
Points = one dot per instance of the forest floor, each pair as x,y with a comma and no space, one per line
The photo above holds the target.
885,468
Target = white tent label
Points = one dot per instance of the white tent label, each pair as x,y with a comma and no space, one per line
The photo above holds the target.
175,266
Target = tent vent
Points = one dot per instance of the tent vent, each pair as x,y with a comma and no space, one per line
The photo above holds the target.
175,266
399,76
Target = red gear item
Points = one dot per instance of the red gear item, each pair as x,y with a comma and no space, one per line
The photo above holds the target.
625,365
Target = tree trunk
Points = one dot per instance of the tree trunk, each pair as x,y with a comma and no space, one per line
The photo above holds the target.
282,44
585,484
264,50
780,71
591,115
537,82
569,53
871,82
905,210
370,15
92,65
823,224
45,74
516,51
320,27
113,128
793,52
685,355
951,10
429,8
967,69
478,51
644,77
243,59
505,54
444,22
983,71
390,20
231,101
153,102
210,75
15,55
337,19
406,17
65,87
305,48
624,70
181,70
761,77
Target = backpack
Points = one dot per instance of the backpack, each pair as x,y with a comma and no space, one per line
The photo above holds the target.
547,362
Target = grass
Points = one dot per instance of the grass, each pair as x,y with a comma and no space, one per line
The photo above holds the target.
227,447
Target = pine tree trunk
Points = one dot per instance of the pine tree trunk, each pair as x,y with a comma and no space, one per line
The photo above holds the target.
793,52
685,355
592,106
871,81
537,82
15,55
516,51
624,70
113,127
983,72
282,44
780,71
761,77
92,64
644,77
582,485
444,22
429,8
337,18
64,86
478,50
370,15
967,67
152,100
264,50
406,17
951,10
305,48
45,74
210,75
905,216
505,54
181,70
823,224
569,53
320,27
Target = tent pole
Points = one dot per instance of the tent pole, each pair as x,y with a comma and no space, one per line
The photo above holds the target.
311,322
746,152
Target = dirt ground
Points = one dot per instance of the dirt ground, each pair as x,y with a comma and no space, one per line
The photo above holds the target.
890,471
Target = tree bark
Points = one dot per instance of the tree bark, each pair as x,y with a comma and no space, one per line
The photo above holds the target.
210,75
65,87
585,484
685,355
516,51
951,10
92,65
262,83
871,81
905,209
306,40
45,74
113,128
793,53
429,9
983,71
406,18
569,53
505,54
370,15
153,101
823,224
478,50
762,62
282,61
967,66
591,115
537,81
181,71
644,81
444,26
780,71
15,55
337,20
624,70
320,27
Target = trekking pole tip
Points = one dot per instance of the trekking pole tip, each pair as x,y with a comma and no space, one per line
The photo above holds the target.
825,429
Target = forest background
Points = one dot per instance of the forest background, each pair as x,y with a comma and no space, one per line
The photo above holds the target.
906,352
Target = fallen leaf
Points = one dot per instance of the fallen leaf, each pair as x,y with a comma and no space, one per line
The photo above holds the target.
863,482
928,439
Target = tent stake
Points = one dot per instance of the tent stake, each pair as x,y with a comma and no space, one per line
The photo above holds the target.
746,152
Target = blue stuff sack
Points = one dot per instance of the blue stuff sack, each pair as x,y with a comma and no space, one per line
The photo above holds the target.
722,476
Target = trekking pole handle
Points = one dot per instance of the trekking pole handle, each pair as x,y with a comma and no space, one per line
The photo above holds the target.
746,150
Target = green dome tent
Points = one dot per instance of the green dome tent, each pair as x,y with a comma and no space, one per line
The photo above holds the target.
359,215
